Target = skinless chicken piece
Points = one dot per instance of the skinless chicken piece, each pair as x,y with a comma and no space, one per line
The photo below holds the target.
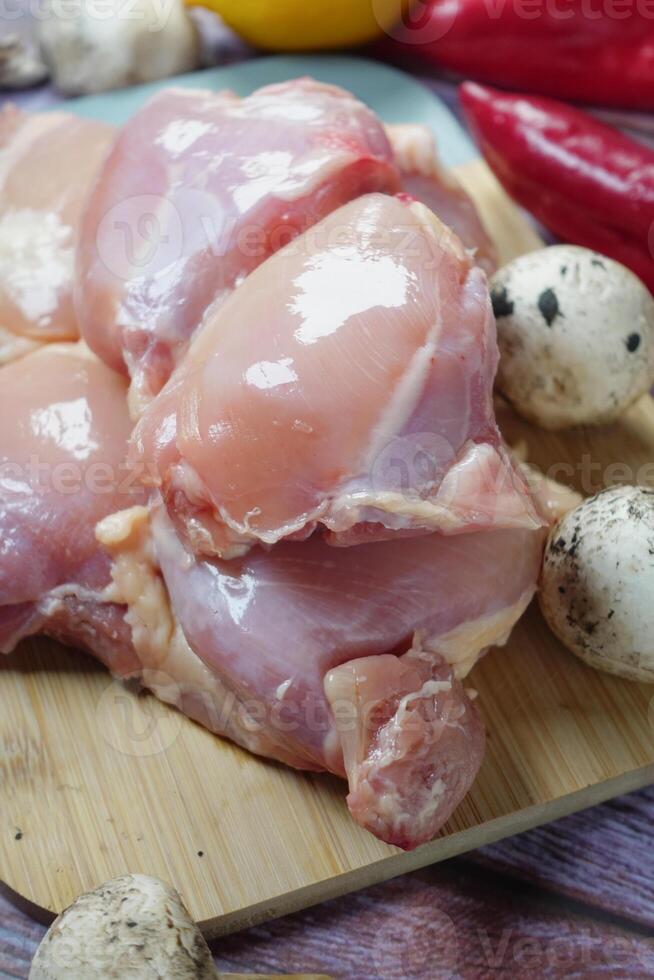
313,646
47,162
289,653
62,451
347,384
62,469
304,654
428,181
221,183
414,748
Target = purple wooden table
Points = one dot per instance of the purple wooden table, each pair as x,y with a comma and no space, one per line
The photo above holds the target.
574,899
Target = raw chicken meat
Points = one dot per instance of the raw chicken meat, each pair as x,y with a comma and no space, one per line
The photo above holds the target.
221,183
62,468
47,162
348,384
314,647
426,179
62,450
304,654
340,396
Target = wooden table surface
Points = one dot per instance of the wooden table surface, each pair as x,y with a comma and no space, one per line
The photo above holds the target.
574,899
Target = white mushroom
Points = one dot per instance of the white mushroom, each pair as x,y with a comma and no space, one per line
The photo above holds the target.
597,586
576,336
94,47
131,928
20,65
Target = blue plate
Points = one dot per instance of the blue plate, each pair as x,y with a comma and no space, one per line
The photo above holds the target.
394,96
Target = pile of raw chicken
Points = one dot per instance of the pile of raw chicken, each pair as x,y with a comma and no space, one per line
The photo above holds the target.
268,481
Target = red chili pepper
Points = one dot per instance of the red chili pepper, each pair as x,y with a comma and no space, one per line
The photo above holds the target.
585,181
595,51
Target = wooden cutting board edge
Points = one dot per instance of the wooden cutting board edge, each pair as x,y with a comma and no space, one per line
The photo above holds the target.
441,849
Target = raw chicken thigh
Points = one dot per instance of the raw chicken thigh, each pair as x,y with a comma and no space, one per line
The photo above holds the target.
342,396
348,659
62,451
198,190
426,179
346,384
47,162
62,469
341,659
298,647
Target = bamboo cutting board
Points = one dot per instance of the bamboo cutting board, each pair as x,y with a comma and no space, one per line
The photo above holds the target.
96,781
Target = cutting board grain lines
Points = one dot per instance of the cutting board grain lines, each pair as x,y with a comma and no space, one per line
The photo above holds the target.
96,781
